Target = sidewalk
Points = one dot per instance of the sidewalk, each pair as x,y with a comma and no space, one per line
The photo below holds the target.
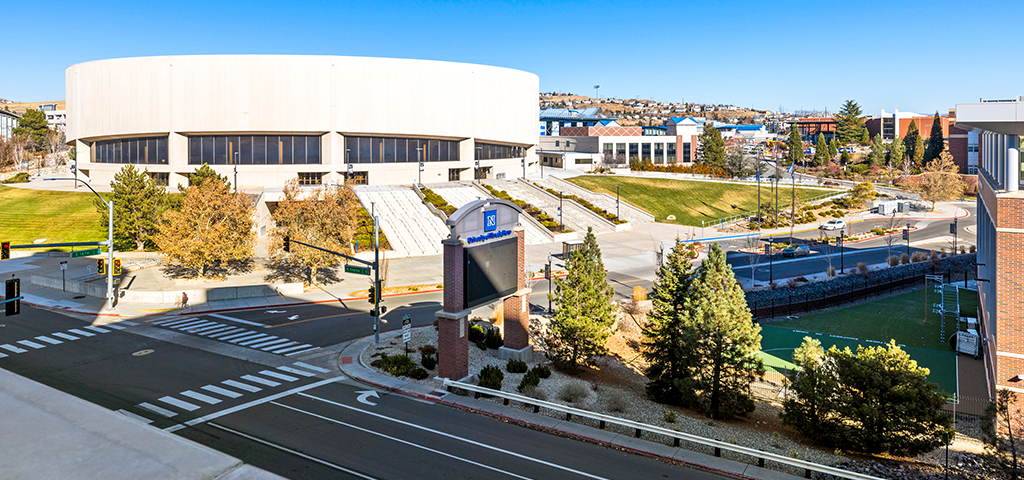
352,366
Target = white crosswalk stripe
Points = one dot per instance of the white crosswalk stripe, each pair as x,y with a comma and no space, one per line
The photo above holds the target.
263,381
137,418
279,345
164,321
301,351
29,343
272,342
3,355
311,367
289,349
271,373
215,330
129,323
12,348
97,329
180,322
157,410
179,403
43,338
201,324
115,327
65,336
249,337
206,328
296,371
82,333
233,335
221,391
201,397
241,386
256,340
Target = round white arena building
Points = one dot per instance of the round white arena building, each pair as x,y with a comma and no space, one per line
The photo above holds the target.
262,120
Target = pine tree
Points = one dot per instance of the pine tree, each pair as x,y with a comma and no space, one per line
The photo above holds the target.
849,122
914,145
712,146
918,157
33,125
722,338
795,145
814,387
669,362
877,154
833,150
936,143
863,138
583,309
897,151
203,174
138,204
820,151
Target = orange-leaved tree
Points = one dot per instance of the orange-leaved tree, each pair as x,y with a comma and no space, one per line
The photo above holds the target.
324,216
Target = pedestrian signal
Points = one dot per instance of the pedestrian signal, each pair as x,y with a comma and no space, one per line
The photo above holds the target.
13,290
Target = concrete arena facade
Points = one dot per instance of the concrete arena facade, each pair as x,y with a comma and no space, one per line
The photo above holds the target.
316,118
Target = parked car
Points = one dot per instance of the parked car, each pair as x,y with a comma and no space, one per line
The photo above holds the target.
796,251
834,225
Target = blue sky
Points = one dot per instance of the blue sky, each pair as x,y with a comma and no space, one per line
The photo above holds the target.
907,55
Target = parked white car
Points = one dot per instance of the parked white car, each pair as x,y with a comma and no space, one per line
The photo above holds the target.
834,225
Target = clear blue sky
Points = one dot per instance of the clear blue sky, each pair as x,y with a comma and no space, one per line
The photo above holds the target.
908,55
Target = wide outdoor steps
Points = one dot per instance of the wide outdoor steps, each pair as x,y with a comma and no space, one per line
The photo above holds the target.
411,228
458,195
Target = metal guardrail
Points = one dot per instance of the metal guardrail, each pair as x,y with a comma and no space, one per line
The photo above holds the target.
677,436
734,218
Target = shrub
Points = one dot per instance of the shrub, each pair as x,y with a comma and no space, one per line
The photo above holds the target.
542,371
428,349
396,365
491,377
670,416
974,248
893,260
533,392
515,366
493,338
529,380
482,345
476,333
418,373
428,361
573,392
918,257
862,267
19,178
904,258
616,400
639,293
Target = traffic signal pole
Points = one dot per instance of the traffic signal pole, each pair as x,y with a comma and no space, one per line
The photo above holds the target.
376,281
110,239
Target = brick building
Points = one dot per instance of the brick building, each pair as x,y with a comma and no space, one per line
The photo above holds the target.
999,126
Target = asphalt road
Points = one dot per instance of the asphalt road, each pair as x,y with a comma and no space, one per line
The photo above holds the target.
284,413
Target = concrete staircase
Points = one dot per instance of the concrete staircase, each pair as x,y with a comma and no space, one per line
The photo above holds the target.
459,194
627,212
409,225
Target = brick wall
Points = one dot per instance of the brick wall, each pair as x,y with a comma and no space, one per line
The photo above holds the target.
452,344
958,147
517,309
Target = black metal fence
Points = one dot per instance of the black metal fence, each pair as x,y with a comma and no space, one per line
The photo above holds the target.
862,287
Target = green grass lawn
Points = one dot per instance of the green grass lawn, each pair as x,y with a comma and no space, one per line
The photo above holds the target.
27,215
907,318
690,201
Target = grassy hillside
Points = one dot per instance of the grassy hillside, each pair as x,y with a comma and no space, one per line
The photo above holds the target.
690,201
27,215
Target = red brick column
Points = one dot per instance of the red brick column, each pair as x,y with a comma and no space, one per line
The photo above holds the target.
516,308
452,345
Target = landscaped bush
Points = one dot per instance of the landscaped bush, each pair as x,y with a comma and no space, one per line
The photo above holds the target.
491,377
616,400
542,371
573,392
918,257
493,339
904,258
530,380
396,365
529,209
516,366
589,206
429,349
18,178
482,345
418,373
476,333
428,361
533,391
893,260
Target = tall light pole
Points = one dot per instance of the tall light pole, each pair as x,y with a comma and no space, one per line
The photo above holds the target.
237,154
561,227
110,240
617,200
476,164
597,91
419,159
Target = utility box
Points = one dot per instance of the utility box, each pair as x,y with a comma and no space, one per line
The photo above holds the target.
904,207
569,247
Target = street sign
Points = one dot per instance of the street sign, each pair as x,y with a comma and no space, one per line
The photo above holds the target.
768,249
13,297
85,253
357,269
952,228
406,328
64,265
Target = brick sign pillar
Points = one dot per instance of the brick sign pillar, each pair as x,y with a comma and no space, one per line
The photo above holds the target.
516,308
452,344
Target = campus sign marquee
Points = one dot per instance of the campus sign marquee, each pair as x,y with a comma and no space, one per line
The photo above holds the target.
484,220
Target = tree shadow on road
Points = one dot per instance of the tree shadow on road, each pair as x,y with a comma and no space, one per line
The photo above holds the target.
221,270
282,271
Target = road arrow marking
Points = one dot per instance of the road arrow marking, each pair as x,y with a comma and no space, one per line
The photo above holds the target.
363,395
275,311
293,317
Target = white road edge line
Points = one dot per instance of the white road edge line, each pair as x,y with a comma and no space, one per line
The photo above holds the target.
293,452
263,400
444,434
411,444
236,320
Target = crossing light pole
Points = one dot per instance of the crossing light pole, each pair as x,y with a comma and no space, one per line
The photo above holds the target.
110,239
377,293
617,200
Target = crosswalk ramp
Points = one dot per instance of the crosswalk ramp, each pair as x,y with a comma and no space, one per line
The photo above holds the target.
40,342
237,389
234,334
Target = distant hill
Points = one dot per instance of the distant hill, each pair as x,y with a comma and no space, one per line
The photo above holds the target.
21,107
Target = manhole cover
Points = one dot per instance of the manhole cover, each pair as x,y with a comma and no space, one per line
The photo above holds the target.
142,352
78,297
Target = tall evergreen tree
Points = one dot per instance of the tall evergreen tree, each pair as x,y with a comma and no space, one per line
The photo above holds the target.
849,123
863,138
877,154
722,338
833,149
897,151
202,174
914,145
583,309
936,143
814,387
138,204
33,124
918,157
669,360
820,150
712,146
795,145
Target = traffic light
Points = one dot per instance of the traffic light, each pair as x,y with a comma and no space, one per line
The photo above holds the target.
13,291
101,267
906,234
117,266
5,250
373,294
287,243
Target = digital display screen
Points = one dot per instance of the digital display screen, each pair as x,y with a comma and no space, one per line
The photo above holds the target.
491,271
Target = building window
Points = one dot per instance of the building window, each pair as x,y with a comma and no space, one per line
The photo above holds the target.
500,176
972,147
607,149
137,151
356,178
634,151
491,151
556,143
160,178
659,152
583,161
399,150
254,149
454,174
671,153
972,170
311,178
645,152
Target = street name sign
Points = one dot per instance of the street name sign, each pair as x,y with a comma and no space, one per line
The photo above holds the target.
357,269
85,253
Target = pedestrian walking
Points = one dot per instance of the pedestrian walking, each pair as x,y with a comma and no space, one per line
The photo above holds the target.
184,301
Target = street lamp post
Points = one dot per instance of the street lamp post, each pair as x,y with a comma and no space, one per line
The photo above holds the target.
617,200
842,266
561,227
419,160
237,154
110,240
476,164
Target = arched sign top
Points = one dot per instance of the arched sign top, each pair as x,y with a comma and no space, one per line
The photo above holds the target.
482,220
